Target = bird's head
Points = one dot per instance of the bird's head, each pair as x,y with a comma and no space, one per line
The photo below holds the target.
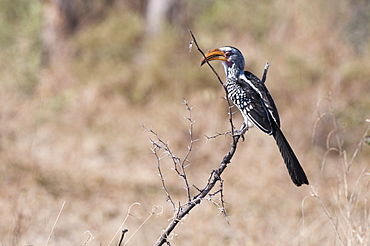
228,55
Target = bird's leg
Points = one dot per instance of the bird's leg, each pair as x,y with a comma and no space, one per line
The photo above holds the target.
242,130
265,72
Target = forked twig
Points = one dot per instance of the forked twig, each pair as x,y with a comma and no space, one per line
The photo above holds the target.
154,150
190,148
214,177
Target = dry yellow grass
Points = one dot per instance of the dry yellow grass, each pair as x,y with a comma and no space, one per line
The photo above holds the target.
74,133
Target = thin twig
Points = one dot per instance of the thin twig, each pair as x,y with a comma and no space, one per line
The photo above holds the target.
229,104
217,135
204,56
215,175
223,208
55,223
348,194
124,231
326,211
124,221
264,76
180,164
359,146
190,148
153,212
169,198
89,238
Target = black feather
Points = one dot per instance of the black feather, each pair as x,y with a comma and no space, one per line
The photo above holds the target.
295,170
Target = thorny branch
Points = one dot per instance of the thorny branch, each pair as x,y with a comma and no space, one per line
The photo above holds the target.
215,176
218,134
190,148
180,165
229,104
154,150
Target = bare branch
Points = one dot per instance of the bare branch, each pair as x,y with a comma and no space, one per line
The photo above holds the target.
180,164
219,79
163,179
223,208
217,135
204,56
215,175
190,148
265,72
124,231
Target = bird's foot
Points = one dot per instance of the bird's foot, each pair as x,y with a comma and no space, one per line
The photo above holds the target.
241,132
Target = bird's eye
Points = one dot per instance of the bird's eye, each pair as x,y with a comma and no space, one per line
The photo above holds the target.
227,54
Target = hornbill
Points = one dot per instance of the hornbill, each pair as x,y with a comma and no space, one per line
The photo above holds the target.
255,103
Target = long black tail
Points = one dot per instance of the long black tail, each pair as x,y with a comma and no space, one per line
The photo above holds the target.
294,168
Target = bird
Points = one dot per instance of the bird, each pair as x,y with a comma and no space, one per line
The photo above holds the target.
251,96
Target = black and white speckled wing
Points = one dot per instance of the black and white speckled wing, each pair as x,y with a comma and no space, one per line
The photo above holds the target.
249,80
250,104
262,90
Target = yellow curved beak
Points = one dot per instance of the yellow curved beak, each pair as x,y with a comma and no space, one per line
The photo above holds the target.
215,54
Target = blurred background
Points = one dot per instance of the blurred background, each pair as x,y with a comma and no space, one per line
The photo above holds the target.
79,79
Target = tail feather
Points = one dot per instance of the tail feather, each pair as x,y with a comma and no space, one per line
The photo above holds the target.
295,169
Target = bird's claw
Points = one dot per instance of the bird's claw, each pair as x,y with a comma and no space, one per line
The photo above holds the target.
241,132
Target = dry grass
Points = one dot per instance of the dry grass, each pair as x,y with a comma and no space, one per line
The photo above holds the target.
82,141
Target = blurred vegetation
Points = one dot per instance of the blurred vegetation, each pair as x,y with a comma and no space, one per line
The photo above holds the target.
73,130
20,44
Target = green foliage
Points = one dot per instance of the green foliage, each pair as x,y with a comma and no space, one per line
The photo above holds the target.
108,47
20,44
238,18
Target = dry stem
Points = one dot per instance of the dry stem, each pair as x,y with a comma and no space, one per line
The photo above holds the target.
214,177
